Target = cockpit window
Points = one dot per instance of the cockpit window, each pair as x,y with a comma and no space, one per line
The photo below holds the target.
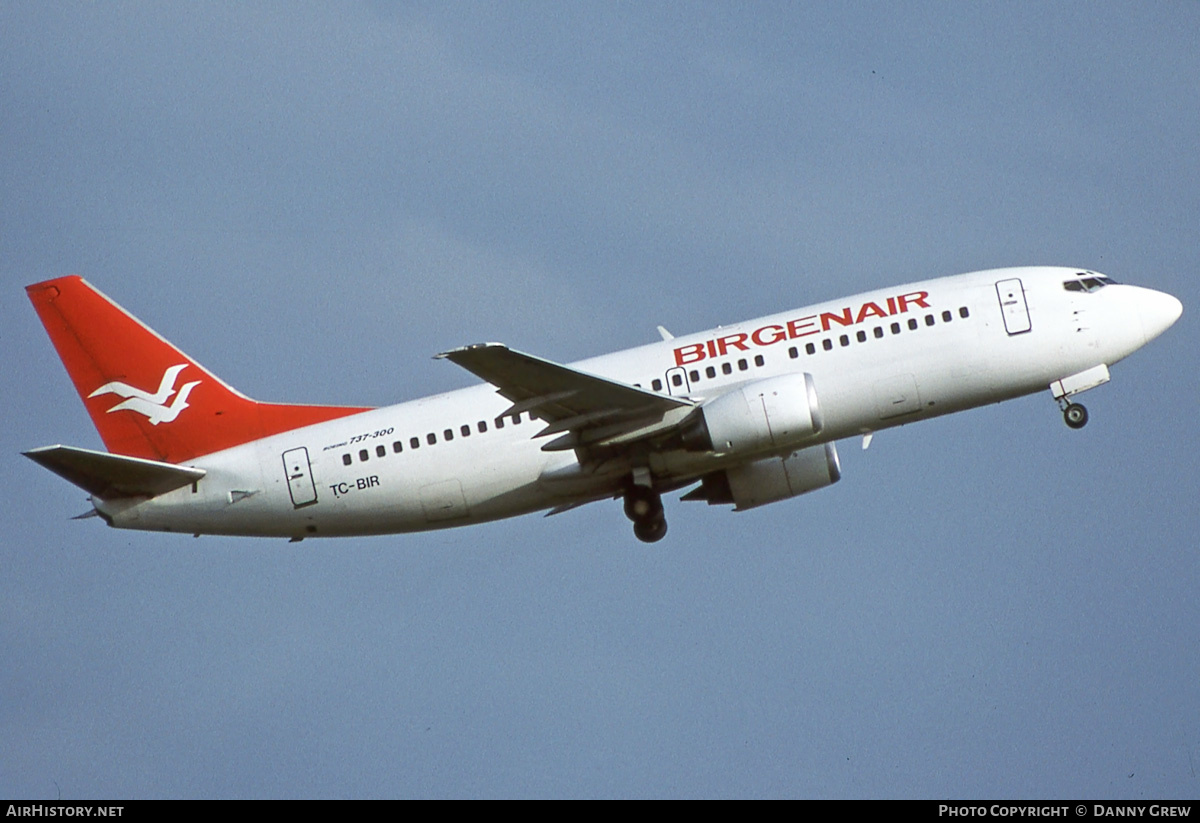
1089,284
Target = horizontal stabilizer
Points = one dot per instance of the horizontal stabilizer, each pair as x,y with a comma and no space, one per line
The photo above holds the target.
113,475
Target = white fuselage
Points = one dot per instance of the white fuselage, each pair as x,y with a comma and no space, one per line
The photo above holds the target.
877,360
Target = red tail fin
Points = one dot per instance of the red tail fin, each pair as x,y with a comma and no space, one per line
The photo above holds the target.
147,398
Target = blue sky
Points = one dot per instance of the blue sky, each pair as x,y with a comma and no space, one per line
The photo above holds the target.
314,199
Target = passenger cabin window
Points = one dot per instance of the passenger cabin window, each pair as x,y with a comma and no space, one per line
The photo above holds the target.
878,332
793,352
912,324
676,380
431,438
695,375
963,313
364,455
465,430
710,372
861,336
482,426
380,451
656,385
827,344
397,447
947,316
347,460
726,368
414,443
743,365
448,434
811,348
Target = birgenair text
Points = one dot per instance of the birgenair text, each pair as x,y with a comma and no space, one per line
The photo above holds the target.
774,333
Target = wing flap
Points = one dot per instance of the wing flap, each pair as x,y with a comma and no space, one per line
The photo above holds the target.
113,475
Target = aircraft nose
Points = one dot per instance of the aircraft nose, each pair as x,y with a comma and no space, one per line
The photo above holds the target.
1158,312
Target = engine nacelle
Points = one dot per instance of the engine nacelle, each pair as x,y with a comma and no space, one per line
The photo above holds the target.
772,479
774,413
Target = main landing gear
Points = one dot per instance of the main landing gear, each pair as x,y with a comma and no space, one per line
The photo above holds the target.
1075,415
644,507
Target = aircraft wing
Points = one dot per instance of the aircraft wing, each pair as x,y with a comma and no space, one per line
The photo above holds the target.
591,410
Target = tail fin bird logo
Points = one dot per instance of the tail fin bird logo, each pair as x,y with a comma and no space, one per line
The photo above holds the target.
153,406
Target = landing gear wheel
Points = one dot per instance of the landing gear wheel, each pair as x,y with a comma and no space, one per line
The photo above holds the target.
642,504
1075,415
644,507
650,531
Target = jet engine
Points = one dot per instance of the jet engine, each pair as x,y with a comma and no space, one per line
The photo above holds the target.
772,479
774,413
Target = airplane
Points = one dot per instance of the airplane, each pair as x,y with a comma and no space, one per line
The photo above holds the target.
745,415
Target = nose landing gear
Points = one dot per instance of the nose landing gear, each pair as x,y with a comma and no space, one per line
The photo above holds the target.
644,507
1075,415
